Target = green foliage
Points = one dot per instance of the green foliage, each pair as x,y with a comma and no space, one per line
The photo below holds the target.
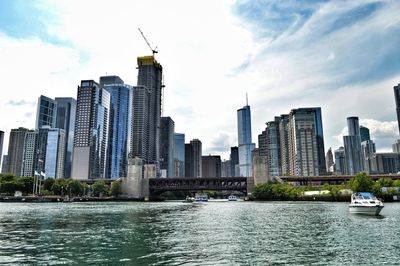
59,186
275,191
7,177
396,183
47,184
361,183
27,182
100,189
75,187
385,182
116,188
11,186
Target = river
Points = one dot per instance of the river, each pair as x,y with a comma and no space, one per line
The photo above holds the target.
214,233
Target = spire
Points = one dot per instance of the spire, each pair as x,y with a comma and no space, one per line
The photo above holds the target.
247,100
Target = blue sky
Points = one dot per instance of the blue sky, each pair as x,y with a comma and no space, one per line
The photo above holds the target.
341,55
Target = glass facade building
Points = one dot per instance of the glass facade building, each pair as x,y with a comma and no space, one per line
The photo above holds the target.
179,155
167,145
46,112
244,141
352,147
397,100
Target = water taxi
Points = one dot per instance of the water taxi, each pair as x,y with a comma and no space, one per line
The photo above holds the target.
365,203
232,198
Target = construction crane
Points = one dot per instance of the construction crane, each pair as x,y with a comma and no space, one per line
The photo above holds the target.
154,51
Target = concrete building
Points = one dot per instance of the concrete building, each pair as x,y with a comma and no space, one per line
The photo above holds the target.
189,161
329,161
226,168
340,161
30,160
140,124
179,155
167,147
66,114
352,147
245,141
260,168
193,160
4,165
46,114
269,146
150,76
368,152
385,163
91,131
16,150
211,166
306,142
119,135
396,146
284,144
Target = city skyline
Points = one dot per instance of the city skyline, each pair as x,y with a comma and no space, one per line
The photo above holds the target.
273,63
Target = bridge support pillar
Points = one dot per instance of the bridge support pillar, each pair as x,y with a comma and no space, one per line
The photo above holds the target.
136,184
250,184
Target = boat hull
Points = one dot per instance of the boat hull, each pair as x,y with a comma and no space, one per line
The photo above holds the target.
367,210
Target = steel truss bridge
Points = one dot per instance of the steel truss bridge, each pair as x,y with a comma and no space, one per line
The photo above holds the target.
160,185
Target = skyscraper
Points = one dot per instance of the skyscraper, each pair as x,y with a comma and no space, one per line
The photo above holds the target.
269,146
234,158
340,161
189,162
30,155
119,127
397,99
66,113
352,147
150,76
197,161
4,166
329,161
167,148
364,134
1,144
16,150
211,166
46,112
244,141
284,144
91,131
179,155
306,145
368,151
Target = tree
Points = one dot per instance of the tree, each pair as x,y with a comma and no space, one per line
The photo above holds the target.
100,189
361,183
48,183
116,188
27,182
7,177
385,182
396,183
59,186
75,187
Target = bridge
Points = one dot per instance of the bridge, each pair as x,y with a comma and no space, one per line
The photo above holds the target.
159,185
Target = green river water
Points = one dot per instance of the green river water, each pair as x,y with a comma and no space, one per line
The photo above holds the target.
214,233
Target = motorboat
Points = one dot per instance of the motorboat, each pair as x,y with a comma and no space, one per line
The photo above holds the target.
189,200
232,198
201,197
365,203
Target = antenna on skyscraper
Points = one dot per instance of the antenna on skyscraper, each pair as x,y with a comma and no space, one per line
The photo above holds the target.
154,51
247,100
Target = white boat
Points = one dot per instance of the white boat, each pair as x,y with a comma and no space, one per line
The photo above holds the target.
232,198
189,200
365,203
201,197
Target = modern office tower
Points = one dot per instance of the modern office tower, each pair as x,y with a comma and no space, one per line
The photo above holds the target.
397,99
284,144
189,161
179,155
269,146
1,144
260,168
226,168
364,134
211,166
352,147
306,145
91,131
119,134
234,158
46,114
66,113
368,151
197,161
29,159
329,161
140,124
4,165
167,139
50,152
385,163
16,150
396,146
150,76
340,161
244,140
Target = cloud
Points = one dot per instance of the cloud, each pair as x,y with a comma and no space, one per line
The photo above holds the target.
220,144
20,103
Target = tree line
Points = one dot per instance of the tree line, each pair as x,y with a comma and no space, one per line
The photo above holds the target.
58,187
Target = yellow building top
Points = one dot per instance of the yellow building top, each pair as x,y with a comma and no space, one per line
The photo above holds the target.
147,61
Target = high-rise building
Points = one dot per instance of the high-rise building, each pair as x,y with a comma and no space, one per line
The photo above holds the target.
179,155
306,142
226,168
385,163
197,161
234,158
150,76
30,159
269,146
1,144
16,150
91,131
329,161
340,161
66,113
211,166
189,161
260,168
167,138
396,146
119,135
46,114
352,147
364,134
368,151
4,165
244,141
397,99
284,144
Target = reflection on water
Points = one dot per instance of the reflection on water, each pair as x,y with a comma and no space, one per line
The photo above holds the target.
216,233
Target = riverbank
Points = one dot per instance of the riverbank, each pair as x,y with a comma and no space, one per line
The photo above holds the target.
40,199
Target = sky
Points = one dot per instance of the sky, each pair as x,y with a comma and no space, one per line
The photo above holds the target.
342,56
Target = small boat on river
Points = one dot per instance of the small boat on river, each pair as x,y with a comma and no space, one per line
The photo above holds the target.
201,197
232,198
189,200
365,203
